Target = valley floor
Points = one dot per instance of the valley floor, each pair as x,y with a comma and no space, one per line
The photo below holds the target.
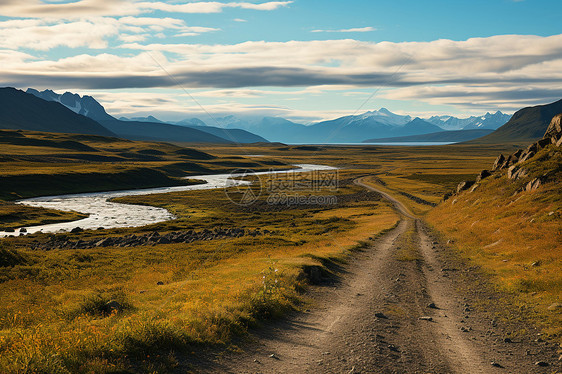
403,305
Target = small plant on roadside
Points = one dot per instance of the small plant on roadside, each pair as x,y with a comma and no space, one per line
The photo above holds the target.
270,300
100,303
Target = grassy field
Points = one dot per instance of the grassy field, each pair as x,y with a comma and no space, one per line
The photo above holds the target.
176,299
13,216
516,237
85,163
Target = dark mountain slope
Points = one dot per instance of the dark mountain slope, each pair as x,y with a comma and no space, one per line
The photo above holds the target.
19,110
527,124
86,105
233,135
161,132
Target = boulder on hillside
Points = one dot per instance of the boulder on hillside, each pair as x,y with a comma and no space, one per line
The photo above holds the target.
483,174
533,184
499,162
464,186
554,130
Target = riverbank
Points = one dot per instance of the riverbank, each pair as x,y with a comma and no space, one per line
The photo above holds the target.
169,299
103,212
43,164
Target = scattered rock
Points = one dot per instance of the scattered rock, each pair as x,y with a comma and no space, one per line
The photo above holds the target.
426,318
533,184
507,340
23,229
483,174
464,186
76,229
527,155
273,356
112,307
393,348
542,363
381,315
499,161
10,230
159,283
495,364
554,128
555,306
466,329
543,143
152,238
432,306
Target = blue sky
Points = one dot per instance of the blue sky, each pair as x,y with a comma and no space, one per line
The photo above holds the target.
302,59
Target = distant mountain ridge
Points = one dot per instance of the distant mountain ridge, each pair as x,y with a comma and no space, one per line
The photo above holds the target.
355,129
376,124
147,128
85,105
23,111
527,124
487,121
380,123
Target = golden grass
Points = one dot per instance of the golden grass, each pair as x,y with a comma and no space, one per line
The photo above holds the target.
13,216
515,238
49,315
50,319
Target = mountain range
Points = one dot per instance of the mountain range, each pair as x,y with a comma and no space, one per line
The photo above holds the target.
19,110
148,128
487,121
380,123
527,124
72,113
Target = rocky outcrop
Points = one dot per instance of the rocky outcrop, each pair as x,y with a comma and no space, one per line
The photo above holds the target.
464,186
153,238
554,130
512,164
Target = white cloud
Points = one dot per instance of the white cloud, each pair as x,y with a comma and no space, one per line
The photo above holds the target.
478,71
356,29
92,32
89,8
239,20
40,35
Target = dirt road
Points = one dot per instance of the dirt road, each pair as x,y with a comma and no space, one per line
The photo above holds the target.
397,309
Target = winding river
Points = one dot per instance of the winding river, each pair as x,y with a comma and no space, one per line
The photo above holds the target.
106,214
